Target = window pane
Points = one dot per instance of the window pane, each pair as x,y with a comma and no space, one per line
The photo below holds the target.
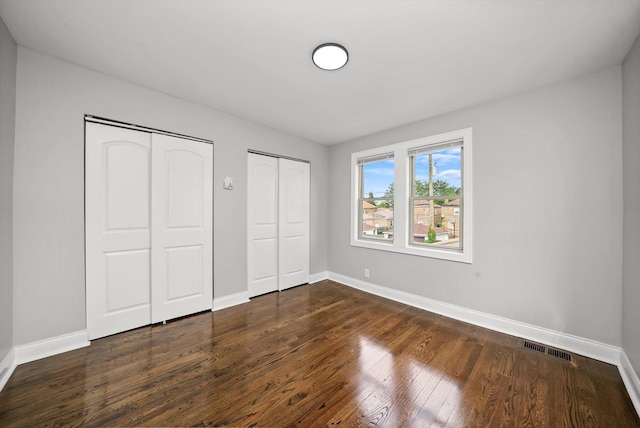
377,179
377,219
437,224
438,173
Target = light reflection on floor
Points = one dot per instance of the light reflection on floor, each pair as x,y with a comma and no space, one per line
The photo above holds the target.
387,384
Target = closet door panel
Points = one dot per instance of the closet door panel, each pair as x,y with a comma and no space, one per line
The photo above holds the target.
184,271
182,227
293,236
126,166
185,198
117,229
127,280
262,220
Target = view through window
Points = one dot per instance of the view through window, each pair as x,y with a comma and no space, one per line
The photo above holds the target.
436,196
376,196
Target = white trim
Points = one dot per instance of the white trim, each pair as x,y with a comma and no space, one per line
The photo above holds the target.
587,347
7,366
318,276
22,354
52,346
230,300
630,379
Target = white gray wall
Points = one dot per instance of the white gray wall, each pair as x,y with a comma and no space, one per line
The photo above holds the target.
547,204
52,98
8,59
631,249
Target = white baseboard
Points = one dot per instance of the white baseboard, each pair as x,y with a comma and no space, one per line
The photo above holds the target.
48,347
243,297
587,347
317,277
22,354
630,379
7,366
230,300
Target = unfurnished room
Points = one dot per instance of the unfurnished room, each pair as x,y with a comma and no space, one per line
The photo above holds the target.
389,213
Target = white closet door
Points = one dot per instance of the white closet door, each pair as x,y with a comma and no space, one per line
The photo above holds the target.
293,235
182,227
262,220
118,199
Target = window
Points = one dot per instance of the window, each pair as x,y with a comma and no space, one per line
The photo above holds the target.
375,220
436,195
415,197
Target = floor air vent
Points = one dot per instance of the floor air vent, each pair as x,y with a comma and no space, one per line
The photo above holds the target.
534,346
559,354
549,351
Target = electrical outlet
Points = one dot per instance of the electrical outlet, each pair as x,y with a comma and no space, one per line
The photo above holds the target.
366,273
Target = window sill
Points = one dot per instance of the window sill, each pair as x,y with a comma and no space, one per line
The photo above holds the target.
441,254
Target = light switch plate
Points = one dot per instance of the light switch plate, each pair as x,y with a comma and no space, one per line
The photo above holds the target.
228,182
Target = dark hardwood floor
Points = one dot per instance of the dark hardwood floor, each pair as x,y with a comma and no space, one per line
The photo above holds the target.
319,355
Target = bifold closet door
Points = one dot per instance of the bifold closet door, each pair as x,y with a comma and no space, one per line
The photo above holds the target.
148,209
278,224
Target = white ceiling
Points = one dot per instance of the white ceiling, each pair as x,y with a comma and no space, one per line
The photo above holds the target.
409,60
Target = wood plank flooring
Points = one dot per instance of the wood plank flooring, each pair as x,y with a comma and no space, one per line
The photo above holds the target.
319,355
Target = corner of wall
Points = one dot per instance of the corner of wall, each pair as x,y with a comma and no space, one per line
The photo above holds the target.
8,68
630,379
631,210
41,349
7,366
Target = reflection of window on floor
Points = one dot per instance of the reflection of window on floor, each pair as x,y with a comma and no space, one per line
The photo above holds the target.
387,383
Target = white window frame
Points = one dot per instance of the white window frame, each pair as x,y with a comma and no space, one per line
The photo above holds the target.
402,191
360,166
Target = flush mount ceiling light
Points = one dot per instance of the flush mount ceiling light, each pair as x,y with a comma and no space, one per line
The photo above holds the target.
330,56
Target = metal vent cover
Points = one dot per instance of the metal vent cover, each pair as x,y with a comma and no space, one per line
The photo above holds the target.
559,354
534,346
549,351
